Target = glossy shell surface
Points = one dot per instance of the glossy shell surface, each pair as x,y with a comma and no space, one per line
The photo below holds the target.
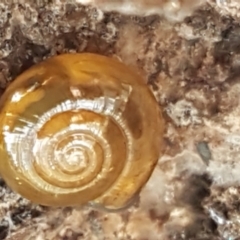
78,129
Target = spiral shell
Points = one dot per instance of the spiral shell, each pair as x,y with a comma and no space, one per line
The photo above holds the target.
77,129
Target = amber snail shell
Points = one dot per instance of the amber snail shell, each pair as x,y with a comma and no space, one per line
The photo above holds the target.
78,129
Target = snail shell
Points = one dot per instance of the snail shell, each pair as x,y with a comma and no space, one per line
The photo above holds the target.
77,129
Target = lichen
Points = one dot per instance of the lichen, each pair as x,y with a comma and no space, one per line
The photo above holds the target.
173,10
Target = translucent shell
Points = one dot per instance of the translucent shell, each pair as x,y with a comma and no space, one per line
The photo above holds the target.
77,129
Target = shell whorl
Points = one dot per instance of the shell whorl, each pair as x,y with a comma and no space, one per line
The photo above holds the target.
72,132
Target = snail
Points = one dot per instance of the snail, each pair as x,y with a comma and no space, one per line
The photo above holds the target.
79,129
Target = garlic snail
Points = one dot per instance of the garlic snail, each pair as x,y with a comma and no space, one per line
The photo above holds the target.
78,129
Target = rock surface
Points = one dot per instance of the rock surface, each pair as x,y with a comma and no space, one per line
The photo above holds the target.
192,64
